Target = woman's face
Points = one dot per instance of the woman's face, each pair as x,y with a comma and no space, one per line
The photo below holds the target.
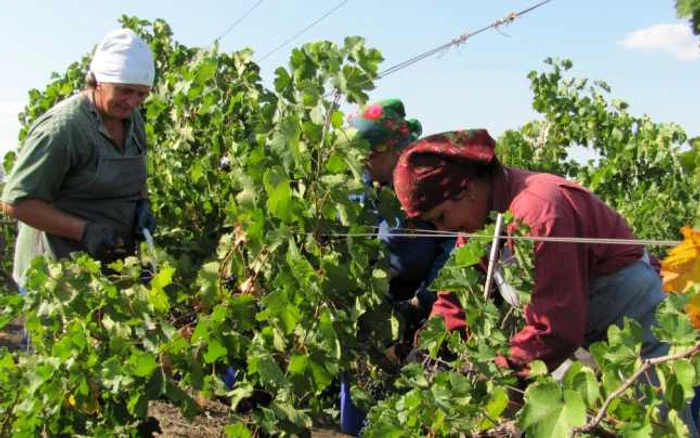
117,101
380,164
466,213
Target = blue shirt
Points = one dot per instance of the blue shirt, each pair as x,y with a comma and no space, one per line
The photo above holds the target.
414,262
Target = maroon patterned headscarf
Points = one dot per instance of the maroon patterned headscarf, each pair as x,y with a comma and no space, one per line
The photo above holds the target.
433,169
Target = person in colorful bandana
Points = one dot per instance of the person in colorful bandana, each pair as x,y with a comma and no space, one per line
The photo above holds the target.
455,181
414,261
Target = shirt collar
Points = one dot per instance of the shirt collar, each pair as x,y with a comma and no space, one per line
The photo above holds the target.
500,193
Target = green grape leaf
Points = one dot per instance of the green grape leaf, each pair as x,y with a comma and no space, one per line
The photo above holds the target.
550,413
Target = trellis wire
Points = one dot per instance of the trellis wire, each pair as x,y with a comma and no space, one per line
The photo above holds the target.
461,39
304,30
239,20
406,232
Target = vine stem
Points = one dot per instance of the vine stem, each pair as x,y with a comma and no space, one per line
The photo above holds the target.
9,415
251,286
319,159
647,364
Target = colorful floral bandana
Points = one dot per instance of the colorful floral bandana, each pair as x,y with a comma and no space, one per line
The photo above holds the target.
431,170
384,125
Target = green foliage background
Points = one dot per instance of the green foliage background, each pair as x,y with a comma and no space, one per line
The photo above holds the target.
250,185
690,9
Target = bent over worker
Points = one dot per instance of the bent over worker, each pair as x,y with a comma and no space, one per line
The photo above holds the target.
454,181
414,261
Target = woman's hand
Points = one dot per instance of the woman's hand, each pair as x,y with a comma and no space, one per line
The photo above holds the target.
102,242
144,218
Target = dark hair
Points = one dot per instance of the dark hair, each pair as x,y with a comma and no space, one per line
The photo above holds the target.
481,171
477,172
90,81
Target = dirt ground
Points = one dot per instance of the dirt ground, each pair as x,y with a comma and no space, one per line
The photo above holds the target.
171,422
211,424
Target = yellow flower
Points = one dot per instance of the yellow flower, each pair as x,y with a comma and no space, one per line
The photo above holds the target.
682,266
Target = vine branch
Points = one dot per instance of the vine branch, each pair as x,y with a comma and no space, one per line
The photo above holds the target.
10,412
648,364
319,158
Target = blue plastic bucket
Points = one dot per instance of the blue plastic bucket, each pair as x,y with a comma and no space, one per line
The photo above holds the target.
695,407
229,377
351,417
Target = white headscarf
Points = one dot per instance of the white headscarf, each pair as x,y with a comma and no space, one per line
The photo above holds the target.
122,57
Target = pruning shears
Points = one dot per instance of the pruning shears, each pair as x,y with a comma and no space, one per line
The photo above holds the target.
151,248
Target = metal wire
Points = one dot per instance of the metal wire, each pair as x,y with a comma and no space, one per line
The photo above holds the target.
304,30
239,20
461,39
442,234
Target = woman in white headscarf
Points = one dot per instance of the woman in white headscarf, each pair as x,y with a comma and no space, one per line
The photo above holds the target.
79,183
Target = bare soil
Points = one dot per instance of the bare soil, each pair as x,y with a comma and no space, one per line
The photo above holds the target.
211,423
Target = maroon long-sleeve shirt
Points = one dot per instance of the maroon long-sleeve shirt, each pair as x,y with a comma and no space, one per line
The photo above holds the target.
558,312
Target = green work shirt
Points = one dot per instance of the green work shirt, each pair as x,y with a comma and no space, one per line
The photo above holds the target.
69,161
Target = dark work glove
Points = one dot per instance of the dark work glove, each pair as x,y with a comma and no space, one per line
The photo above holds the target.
144,218
102,242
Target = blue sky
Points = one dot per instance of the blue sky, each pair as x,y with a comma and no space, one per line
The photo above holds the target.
481,84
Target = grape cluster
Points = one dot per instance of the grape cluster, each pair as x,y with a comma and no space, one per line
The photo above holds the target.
188,319
230,282
146,277
225,164
149,427
377,389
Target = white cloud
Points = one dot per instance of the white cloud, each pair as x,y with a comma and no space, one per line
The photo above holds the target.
675,39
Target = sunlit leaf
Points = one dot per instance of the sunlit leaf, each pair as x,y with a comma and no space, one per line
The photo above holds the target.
681,268
550,413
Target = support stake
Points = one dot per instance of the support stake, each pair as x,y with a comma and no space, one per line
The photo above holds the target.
494,255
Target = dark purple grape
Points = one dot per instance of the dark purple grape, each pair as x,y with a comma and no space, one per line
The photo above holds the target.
225,164
146,276
230,282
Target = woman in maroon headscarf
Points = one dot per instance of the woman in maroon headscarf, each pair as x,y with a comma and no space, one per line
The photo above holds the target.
454,181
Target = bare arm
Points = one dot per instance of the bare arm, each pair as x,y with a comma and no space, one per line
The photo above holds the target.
42,216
